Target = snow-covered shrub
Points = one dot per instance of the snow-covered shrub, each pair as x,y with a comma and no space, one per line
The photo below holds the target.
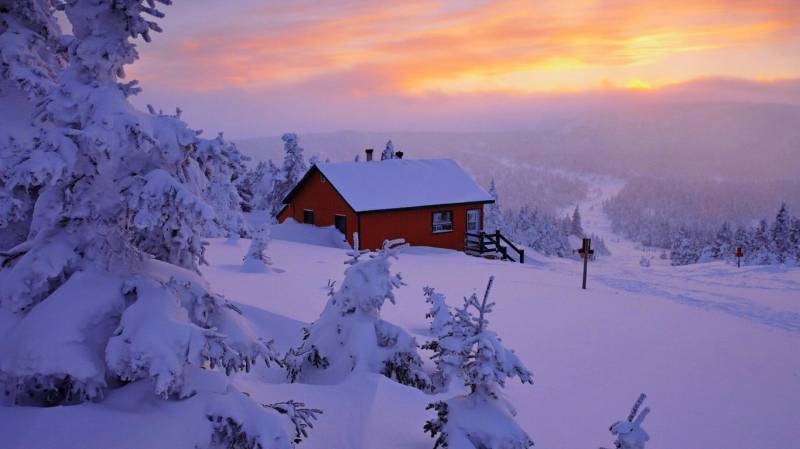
231,430
644,262
256,260
177,323
350,335
104,290
388,151
482,419
629,433
439,314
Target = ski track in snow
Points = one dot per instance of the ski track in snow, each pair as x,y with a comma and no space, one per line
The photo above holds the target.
621,271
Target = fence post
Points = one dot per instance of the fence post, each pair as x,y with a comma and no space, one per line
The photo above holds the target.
480,246
521,256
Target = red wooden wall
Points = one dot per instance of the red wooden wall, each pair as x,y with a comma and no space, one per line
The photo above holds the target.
415,226
326,203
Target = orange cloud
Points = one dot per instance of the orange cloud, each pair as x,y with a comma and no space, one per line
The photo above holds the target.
510,45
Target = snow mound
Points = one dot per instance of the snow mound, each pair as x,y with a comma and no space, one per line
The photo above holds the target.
293,231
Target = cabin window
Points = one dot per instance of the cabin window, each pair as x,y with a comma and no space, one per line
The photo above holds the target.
473,220
443,221
308,216
340,221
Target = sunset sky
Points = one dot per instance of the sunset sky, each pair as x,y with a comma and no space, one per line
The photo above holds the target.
243,56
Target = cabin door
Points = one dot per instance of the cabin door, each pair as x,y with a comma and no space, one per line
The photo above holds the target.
474,223
340,221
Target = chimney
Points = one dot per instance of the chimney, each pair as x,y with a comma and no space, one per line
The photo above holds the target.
398,154
369,153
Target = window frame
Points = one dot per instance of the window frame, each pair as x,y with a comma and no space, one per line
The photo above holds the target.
442,225
480,219
311,212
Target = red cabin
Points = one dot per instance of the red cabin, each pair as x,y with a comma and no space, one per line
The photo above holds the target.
427,202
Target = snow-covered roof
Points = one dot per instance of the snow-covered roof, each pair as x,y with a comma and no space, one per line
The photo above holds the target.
402,183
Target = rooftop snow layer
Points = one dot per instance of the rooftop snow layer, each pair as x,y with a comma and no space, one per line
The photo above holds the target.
402,183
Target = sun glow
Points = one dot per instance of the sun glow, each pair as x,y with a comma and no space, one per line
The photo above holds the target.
637,84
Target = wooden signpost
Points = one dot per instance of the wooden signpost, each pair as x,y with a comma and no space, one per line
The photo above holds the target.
586,252
739,256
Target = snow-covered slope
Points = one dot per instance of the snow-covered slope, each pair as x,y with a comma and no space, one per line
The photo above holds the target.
714,347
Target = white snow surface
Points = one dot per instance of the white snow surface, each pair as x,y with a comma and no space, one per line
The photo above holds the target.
402,183
714,347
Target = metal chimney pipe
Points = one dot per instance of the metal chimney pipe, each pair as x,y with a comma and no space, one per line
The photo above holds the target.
369,153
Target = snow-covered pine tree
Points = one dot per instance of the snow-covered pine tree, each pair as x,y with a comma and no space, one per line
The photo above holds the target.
741,239
522,225
293,169
30,55
780,235
629,433
388,151
30,64
224,169
761,249
350,335
722,246
114,242
576,227
256,260
259,184
493,220
482,419
794,240
599,245
684,249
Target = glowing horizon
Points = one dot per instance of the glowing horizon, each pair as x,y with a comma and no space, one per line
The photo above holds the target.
423,47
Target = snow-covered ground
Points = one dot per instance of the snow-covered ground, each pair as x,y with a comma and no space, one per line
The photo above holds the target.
716,348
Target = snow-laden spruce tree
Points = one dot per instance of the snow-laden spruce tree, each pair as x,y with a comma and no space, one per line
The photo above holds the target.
794,240
224,169
629,433
780,235
685,248
256,260
721,247
761,245
576,227
293,169
483,418
350,334
30,64
29,46
493,220
258,185
104,291
388,151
